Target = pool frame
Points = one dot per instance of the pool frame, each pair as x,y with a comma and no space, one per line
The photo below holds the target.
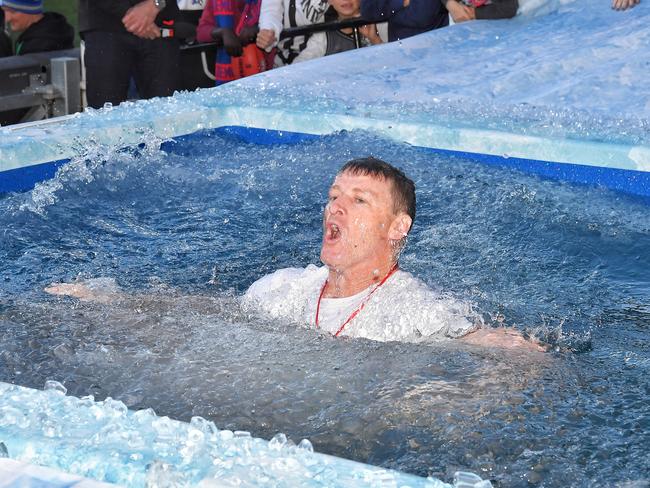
31,159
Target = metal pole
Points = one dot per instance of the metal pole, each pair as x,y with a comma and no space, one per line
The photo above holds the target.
66,79
357,37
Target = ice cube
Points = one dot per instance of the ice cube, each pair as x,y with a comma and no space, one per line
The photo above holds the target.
55,386
463,479
278,441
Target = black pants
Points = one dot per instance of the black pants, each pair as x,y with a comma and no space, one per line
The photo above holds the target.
113,58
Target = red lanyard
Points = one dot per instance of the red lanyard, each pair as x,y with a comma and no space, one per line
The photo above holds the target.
363,303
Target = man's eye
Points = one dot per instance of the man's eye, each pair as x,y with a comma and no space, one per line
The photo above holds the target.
331,198
359,200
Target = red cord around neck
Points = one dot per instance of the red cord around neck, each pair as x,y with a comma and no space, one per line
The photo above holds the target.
363,303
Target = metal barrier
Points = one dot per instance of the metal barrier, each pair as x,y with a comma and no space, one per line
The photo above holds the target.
39,86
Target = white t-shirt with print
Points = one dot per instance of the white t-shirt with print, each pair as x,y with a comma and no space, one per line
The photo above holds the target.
402,309
191,4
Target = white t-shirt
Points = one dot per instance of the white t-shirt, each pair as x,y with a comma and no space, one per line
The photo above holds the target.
402,309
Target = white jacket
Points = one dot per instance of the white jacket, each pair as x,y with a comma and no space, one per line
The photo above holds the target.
280,14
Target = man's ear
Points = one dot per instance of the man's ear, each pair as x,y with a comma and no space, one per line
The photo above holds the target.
400,227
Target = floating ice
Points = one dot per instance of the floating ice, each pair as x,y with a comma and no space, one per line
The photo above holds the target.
105,441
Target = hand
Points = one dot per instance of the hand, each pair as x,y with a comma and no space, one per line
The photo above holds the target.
103,290
370,32
76,290
502,337
140,20
248,35
151,32
231,42
623,4
265,38
459,12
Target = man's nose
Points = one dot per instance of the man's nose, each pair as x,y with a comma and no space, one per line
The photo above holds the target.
336,206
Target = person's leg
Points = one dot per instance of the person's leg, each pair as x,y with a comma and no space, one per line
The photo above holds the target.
109,58
157,73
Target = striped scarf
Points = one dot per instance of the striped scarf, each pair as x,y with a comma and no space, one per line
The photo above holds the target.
224,17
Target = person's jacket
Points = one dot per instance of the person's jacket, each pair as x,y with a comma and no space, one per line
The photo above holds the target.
51,33
5,43
6,49
420,16
106,15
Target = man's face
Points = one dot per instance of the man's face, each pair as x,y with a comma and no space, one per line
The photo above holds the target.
357,222
17,21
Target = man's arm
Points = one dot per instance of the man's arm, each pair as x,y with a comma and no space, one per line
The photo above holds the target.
101,290
459,12
271,23
503,337
206,24
140,20
316,48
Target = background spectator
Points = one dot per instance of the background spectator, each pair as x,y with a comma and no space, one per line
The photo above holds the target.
218,23
39,31
276,15
235,28
122,41
406,18
332,42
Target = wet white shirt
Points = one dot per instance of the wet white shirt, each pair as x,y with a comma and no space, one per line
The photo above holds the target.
402,309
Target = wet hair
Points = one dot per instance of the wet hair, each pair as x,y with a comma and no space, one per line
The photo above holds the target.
403,187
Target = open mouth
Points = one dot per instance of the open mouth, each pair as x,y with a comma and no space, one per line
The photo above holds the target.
332,232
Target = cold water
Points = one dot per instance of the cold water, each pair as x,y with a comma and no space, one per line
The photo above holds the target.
182,232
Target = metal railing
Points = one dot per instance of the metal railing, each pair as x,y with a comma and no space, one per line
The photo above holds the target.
40,86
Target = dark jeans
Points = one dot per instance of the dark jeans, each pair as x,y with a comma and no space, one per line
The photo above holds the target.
113,58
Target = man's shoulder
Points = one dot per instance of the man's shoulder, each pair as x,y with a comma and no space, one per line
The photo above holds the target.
411,310
406,282
286,277
52,19
286,293
54,29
